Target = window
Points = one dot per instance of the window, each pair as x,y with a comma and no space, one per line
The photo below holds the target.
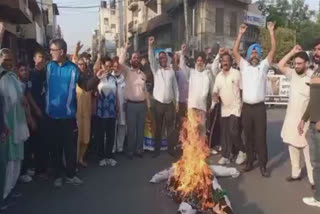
106,21
219,20
233,24
113,26
135,13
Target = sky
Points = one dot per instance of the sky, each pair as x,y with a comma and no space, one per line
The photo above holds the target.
79,24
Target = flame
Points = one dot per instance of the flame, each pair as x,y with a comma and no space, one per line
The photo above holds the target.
192,176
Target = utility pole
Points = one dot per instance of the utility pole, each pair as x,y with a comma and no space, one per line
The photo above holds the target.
46,42
185,4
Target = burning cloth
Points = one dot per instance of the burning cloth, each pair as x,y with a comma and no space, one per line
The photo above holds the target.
191,179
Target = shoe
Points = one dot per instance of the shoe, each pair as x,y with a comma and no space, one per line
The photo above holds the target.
83,164
138,154
291,179
129,156
103,162
58,183
242,157
264,172
25,179
111,162
3,208
31,172
248,168
42,177
74,181
16,195
224,161
172,153
214,152
155,154
311,201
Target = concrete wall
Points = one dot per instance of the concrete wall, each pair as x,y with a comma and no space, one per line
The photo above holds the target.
35,30
206,22
109,27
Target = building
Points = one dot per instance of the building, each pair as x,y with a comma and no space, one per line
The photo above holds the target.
109,26
33,36
212,23
52,12
95,44
254,19
13,13
25,27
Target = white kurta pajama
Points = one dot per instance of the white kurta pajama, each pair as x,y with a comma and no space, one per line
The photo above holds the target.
298,101
121,118
200,88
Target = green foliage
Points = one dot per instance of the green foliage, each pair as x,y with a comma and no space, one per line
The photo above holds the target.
294,15
286,39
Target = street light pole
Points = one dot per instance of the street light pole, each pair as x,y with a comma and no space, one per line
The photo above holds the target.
185,4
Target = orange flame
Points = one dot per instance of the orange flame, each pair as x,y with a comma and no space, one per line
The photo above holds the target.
192,175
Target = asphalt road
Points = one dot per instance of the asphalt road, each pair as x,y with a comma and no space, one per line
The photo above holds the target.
125,189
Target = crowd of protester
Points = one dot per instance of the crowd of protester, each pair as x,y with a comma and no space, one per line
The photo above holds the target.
55,112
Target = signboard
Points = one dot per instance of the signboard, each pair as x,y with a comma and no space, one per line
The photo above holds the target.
158,50
193,43
255,19
277,91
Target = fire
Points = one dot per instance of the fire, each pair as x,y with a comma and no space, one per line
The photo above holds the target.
192,177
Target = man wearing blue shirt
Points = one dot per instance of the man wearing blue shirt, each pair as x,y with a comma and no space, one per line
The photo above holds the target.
61,107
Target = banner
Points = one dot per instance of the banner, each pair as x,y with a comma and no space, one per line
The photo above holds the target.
277,91
255,19
158,50
149,134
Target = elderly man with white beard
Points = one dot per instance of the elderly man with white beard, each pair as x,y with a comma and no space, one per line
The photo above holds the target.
201,82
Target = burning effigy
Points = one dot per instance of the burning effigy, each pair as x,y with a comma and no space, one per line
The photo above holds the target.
191,181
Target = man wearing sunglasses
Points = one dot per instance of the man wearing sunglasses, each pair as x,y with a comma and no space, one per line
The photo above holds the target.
61,107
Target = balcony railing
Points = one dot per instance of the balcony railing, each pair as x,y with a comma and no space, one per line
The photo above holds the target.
15,11
133,5
152,4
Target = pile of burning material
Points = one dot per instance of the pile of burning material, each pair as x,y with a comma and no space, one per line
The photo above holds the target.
191,180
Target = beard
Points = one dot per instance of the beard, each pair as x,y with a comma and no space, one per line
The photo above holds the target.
135,64
316,59
254,61
200,67
300,72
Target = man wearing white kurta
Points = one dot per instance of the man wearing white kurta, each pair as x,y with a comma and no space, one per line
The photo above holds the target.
165,93
227,86
200,84
121,118
298,101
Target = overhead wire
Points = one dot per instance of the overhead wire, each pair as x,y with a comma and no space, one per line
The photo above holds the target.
81,7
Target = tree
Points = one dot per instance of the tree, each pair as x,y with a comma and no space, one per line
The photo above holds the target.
294,15
318,16
286,39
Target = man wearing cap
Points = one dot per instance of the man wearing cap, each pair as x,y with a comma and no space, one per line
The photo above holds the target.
254,116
